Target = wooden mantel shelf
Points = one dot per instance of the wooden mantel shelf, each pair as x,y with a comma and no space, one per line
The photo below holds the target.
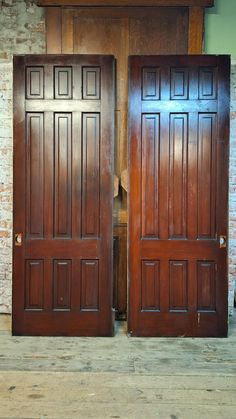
130,3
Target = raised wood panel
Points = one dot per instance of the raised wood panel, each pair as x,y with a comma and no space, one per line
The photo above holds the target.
150,288
35,82
151,84
34,281
62,82
90,175
150,174
89,285
206,175
49,155
207,83
178,176
62,273
206,285
178,285
62,177
35,175
179,83
91,83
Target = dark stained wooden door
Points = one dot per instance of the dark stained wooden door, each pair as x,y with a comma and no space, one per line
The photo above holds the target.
178,165
63,193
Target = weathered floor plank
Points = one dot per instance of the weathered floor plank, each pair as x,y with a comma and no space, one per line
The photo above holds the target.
116,377
68,395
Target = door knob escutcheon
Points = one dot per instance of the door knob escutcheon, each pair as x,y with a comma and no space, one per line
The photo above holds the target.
223,241
18,239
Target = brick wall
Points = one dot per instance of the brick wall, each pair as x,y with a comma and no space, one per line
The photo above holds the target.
23,32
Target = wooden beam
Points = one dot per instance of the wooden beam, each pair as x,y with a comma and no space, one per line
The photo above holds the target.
114,3
117,12
195,30
67,20
53,30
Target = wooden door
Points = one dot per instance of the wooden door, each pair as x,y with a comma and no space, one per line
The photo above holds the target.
63,193
178,165
123,31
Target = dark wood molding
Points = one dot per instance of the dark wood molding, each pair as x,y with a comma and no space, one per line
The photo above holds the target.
117,12
195,30
117,3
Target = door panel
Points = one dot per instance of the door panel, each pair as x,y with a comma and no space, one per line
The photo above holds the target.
178,165
63,193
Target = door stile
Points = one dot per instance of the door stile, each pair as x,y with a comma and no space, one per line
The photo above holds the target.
19,206
134,162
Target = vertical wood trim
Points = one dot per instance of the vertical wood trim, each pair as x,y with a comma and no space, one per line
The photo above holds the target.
67,31
54,30
123,94
195,30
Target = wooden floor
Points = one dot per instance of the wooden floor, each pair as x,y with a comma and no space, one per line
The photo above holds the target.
120,377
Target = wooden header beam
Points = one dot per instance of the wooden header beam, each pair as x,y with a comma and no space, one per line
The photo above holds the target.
195,30
124,3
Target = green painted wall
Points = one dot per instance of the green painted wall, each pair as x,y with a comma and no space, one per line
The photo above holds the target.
220,28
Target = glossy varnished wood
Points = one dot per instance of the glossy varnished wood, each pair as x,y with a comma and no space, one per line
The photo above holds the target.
121,31
63,167
178,148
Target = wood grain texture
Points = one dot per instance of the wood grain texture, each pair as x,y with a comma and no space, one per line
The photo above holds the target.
54,30
35,179
150,174
62,175
133,29
164,33
115,394
192,171
196,29
67,30
34,285
102,378
120,12
180,3
178,176
63,165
